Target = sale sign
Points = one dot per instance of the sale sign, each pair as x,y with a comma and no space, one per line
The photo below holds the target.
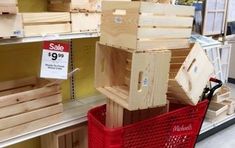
55,58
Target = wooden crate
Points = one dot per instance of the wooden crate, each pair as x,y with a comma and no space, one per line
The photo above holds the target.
26,100
45,23
85,22
72,137
222,94
145,25
74,5
8,7
117,116
134,80
231,106
190,70
216,111
11,26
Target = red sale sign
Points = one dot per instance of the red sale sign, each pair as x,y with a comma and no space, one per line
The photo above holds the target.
55,46
55,58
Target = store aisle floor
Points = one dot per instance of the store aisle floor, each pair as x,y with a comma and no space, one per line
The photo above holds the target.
222,139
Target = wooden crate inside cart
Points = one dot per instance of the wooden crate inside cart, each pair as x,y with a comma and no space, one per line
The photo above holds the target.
134,80
146,25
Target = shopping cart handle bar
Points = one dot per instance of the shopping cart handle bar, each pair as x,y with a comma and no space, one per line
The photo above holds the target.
213,89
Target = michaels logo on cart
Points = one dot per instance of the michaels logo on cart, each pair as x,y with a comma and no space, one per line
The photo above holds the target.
182,128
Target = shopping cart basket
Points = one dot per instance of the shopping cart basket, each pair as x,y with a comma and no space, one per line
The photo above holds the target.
178,128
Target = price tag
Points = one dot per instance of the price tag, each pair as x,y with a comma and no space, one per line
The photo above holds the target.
55,58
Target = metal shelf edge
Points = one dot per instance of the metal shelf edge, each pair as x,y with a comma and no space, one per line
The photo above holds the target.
49,37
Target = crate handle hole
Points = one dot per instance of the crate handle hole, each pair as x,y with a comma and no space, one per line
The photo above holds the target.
140,80
119,12
102,64
191,65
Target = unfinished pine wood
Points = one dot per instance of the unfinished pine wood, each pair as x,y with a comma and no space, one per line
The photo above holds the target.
231,106
18,83
8,7
146,25
148,76
222,95
30,116
11,26
157,1
71,137
36,24
188,78
28,95
85,22
117,116
216,111
45,17
29,127
15,90
114,114
6,2
75,5
30,105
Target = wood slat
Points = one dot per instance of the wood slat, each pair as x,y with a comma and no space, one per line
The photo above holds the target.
29,127
180,59
30,105
113,97
163,33
30,116
46,29
163,44
28,95
117,92
43,17
165,21
17,83
165,9
86,22
16,90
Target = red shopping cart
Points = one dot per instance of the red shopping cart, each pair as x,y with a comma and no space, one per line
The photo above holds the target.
178,128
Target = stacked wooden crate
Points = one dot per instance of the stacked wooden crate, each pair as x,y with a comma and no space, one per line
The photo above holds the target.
46,23
10,20
72,137
139,46
222,105
8,7
85,14
27,100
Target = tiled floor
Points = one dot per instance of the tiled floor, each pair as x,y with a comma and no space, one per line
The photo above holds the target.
222,139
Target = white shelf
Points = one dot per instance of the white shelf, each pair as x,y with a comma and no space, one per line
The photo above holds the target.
209,125
49,37
75,112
